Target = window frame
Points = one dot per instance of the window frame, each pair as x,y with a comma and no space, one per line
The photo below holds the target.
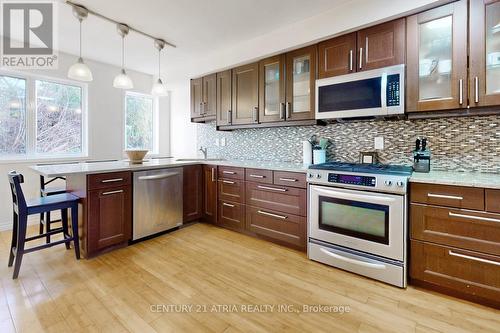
31,119
156,119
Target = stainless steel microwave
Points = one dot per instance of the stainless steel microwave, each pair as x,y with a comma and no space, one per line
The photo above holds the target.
378,92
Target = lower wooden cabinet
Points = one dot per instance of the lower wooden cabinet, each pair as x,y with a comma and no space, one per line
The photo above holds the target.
467,274
210,193
286,229
109,218
192,193
279,198
231,215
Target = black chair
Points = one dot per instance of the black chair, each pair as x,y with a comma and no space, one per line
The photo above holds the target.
22,209
45,192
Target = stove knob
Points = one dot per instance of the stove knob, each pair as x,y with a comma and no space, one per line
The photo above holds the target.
400,184
318,176
388,183
311,175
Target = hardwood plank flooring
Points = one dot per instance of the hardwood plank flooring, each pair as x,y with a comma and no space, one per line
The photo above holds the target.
206,268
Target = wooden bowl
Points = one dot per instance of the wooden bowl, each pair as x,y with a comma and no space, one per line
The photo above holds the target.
136,155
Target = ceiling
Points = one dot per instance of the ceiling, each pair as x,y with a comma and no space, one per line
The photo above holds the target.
195,26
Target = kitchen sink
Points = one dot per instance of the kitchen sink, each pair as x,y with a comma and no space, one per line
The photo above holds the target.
198,159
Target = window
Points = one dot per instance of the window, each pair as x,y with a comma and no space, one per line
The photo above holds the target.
41,117
141,119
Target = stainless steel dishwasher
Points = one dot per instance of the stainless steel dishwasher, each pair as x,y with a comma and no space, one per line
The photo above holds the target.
157,201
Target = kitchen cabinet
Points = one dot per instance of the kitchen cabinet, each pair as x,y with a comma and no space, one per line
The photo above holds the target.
381,45
245,95
484,37
109,212
437,58
192,193
231,215
272,89
203,98
337,56
224,88
210,193
455,241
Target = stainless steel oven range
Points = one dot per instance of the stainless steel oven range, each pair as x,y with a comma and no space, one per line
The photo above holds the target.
357,218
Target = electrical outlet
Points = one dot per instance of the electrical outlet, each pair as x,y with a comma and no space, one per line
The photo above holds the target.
379,142
223,142
217,143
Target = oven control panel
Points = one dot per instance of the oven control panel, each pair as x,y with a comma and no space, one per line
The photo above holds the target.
352,179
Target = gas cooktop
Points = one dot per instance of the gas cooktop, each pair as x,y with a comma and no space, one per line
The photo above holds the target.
386,169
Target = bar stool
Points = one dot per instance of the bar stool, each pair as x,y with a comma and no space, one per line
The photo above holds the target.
45,192
22,209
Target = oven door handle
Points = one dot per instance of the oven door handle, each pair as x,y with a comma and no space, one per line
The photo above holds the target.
353,196
353,261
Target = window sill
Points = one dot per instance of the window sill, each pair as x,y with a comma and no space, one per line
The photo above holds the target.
42,159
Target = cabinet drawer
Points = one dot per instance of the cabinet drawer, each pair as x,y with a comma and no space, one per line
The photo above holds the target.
493,201
283,199
231,172
288,229
294,179
231,215
450,196
232,190
465,272
106,180
477,231
259,175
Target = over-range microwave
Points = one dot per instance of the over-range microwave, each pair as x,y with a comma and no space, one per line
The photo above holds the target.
373,93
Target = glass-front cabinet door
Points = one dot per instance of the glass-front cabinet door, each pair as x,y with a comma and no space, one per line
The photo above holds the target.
437,58
484,52
300,81
272,89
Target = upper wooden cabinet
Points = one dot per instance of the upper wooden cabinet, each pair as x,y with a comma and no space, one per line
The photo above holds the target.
382,45
337,56
203,98
224,106
437,58
484,79
245,94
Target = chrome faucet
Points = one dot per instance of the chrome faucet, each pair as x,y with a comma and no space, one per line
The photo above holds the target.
204,151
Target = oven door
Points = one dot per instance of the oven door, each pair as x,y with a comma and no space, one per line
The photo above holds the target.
370,222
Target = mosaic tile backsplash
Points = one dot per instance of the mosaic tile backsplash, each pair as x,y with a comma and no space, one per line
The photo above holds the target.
457,144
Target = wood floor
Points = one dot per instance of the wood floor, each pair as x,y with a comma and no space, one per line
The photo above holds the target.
130,290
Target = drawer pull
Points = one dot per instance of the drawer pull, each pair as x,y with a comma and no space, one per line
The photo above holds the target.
213,174
289,179
114,180
465,256
472,217
257,176
282,217
442,196
112,192
272,188
227,205
228,182
229,172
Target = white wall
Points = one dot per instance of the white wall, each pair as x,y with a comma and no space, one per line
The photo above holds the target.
105,125
348,17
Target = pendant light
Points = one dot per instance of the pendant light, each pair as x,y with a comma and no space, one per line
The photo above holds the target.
159,89
122,80
80,71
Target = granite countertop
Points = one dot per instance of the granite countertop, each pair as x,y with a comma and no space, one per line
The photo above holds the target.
470,179
56,170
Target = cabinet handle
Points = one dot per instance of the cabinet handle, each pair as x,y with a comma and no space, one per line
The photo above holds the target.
282,217
112,192
255,114
160,176
465,256
288,109
476,89
282,111
201,108
289,180
461,91
229,172
257,176
272,188
228,182
350,60
213,174
114,180
360,58
227,205
442,196
472,217
229,117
